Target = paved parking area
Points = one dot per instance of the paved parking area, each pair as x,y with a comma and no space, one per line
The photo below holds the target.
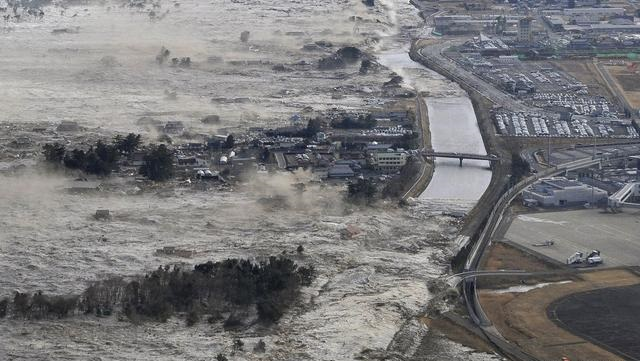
617,236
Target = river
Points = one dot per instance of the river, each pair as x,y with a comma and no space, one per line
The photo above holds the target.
452,122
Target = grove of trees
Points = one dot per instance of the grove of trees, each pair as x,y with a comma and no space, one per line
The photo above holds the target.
158,163
100,159
212,288
349,122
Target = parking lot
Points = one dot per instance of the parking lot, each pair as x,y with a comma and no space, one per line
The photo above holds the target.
615,235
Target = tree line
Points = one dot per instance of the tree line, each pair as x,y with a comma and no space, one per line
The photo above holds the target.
102,158
209,289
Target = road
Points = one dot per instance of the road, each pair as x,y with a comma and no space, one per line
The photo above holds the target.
435,57
473,260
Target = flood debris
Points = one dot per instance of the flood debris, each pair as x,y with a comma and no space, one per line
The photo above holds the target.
244,36
350,231
102,215
175,252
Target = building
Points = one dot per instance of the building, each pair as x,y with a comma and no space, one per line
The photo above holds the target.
611,28
525,31
591,15
68,126
341,171
388,161
556,23
465,24
174,127
560,192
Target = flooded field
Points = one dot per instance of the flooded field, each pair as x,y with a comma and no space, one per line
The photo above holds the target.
366,285
96,64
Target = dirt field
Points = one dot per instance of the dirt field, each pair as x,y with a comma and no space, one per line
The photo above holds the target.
522,317
504,256
628,82
585,71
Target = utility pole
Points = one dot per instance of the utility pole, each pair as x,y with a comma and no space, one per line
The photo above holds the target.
549,150
593,180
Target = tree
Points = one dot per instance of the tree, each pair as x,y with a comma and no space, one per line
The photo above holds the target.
4,307
519,167
75,160
260,347
229,142
22,304
300,249
238,345
128,144
54,153
314,126
362,190
158,164
193,317
221,357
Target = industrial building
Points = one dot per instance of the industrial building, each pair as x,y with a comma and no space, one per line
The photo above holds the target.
580,15
560,192
465,24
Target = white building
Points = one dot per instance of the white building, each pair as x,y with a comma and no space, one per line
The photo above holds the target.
559,191
389,160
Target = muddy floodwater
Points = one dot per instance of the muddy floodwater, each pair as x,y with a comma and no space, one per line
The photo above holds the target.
96,64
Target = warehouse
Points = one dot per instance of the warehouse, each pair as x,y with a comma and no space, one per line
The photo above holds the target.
560,192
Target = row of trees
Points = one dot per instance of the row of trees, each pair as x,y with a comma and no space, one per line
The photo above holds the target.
210,289
349,122
102,158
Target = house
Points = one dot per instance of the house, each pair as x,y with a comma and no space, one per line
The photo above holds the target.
174,127
68,126
340,171
136,159
189,161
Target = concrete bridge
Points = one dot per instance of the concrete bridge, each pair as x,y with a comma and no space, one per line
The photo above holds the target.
490,157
